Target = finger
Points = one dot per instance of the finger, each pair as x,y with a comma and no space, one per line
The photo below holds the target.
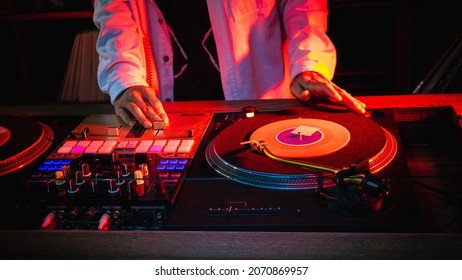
305,95
362,103
322,87
300,92
350,101
163,115
346,94
158,113
353,103
333,92
125,116
140,114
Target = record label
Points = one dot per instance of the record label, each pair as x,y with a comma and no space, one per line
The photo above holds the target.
302,137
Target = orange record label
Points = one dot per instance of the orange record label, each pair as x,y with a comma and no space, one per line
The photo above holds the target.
302,138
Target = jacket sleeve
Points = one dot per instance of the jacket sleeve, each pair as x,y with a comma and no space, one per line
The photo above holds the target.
121,58
310,49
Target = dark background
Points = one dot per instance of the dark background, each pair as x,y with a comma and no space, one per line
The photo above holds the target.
384,47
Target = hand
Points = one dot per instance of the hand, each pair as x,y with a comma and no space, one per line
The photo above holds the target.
139,103
307,83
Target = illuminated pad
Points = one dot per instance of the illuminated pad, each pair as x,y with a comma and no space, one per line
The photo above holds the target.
108,146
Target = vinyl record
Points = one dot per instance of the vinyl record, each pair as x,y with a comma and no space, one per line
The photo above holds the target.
334,140
22,140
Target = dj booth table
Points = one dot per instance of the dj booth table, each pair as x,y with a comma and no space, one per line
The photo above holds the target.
440,241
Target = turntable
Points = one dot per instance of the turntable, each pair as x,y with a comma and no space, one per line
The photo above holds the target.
22,141
299,169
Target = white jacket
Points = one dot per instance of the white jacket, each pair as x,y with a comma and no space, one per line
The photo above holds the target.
262,45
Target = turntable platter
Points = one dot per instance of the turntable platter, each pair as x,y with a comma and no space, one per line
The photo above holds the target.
335,140
22,140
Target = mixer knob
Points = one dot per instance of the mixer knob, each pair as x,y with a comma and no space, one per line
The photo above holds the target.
120,181
92,213
86,170
113,188
73,189
124,169
105,221
59,176
74,213
144,170
78,178
139,182
66,170
50,221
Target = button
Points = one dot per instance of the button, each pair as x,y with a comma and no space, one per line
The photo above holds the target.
173,161
163,174
173,142
166,58
70,143
64,150
179,167
91,150
84,143
155,149
160,20
184,149
96,143
170,149
105,150
146,142
142,149
78,150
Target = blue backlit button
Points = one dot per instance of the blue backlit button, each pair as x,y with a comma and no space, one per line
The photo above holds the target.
164,161
48,161
170,167
180,167
173,161
161,167
52,167
43,168
183,161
